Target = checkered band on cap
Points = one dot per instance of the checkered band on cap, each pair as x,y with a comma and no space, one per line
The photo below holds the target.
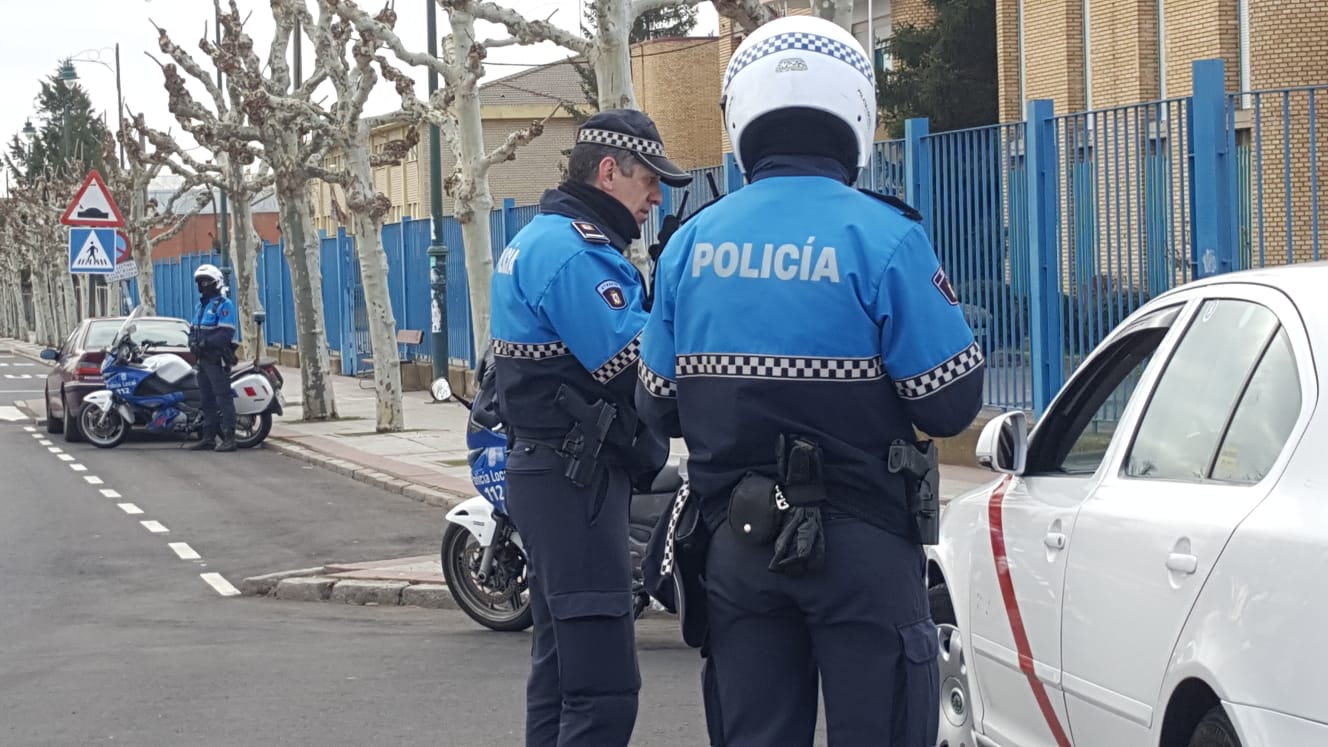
657,385
621,140
533,351
621,361
938,378
800,41
781,367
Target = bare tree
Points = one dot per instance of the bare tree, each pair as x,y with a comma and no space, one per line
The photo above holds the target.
254,85
608,49
145,216
229,170
455,110
345,128
31,225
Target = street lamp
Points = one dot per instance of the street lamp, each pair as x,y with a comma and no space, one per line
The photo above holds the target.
437,250
69,74
29,131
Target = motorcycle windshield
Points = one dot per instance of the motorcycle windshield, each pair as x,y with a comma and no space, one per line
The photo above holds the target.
124,331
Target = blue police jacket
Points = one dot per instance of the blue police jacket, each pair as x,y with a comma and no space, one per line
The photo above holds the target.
567,309
799,305
214,323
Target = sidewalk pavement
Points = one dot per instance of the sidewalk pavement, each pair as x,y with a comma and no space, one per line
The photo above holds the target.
426,461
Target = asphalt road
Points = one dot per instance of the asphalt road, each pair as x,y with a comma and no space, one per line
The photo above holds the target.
111,633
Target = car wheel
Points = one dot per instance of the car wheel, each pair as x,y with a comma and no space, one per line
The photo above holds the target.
956,722
1215,730
72,433
53,424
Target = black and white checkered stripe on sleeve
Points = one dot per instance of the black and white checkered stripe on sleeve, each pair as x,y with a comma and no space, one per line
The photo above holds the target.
531,351
802,42
780,367
952,370
621,140
621,361
657,385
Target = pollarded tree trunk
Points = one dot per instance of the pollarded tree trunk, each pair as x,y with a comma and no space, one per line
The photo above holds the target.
611,56
70,302
297,226
365,201
247,246
473,199
141,250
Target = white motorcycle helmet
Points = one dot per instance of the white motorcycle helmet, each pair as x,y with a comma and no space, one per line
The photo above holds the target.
210,272
807,70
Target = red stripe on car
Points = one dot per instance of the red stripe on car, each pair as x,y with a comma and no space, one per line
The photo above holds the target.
1017,620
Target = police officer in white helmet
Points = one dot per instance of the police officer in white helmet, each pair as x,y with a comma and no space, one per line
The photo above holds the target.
801,330
211,340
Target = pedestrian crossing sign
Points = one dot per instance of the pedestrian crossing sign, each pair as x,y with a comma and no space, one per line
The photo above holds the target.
92,251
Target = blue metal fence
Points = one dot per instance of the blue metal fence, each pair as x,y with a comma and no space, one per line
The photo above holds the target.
1052,229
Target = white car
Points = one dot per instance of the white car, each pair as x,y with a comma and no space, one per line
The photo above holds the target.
1150,568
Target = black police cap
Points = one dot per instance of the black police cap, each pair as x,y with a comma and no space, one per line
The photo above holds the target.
632,130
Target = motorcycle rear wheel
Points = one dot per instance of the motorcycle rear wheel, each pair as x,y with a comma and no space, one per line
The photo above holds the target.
497,609
252,430
103,432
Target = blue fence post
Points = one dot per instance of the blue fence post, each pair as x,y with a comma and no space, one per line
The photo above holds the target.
510,226
917,169
732,174
1213,173
1045,329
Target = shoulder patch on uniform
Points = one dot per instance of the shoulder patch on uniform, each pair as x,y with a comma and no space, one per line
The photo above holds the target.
613,294
903,207
590,232
225,311
942,284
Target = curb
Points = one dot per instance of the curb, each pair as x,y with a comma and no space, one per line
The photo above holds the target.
313,585
366,475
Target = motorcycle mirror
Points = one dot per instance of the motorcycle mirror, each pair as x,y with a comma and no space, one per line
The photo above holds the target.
441,389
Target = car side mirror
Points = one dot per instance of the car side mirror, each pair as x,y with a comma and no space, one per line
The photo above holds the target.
50,354
1003,445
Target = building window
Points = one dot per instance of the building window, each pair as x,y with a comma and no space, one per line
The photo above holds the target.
884,60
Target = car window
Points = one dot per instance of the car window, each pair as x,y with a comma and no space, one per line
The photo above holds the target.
175,333
1073,436
1188,411
1264,418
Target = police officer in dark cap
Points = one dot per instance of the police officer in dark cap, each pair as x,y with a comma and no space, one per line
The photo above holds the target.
801,331
567,313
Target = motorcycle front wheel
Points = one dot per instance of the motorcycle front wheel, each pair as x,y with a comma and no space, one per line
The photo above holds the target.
103,430
502,600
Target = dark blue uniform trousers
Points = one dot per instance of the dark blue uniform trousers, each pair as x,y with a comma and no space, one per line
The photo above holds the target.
218,402
584,678
861,625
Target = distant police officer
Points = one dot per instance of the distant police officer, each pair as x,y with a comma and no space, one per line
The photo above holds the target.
567,312
211,341
800,330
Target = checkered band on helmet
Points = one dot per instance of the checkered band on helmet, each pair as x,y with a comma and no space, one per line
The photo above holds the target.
800,41
621,140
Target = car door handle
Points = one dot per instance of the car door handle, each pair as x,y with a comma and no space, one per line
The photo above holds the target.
1054,541
1182,562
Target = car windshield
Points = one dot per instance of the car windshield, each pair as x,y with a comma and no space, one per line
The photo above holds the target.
173,332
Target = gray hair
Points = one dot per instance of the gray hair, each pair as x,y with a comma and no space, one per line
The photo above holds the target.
583,163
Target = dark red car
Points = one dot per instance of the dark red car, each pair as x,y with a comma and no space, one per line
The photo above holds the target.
77,371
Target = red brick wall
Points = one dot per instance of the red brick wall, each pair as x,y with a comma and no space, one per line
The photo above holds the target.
198,233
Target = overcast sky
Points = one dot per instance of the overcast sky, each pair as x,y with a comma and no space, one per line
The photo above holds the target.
42,32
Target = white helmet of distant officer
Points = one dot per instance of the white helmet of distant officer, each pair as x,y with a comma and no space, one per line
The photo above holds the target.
208,275
800,84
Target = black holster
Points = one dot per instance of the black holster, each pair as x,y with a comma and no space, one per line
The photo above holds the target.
785,511
582,445
919,464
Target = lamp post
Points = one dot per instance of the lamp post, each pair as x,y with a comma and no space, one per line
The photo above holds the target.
437,250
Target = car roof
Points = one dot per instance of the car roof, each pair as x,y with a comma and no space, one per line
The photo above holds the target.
1303,282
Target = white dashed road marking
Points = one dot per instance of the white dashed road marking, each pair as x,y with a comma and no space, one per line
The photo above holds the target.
44,442
185,551
130,508
219,582
154,526
38,436
65,457
55,449
29,428
93,480
78,468
110,493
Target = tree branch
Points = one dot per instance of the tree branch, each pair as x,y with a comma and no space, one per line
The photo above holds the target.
514,140
528,31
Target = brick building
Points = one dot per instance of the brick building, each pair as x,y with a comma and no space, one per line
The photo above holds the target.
200,233
666,74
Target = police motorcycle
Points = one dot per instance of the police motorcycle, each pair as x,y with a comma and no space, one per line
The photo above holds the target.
483,559
160,393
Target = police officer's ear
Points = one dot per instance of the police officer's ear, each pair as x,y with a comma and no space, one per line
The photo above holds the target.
606,172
